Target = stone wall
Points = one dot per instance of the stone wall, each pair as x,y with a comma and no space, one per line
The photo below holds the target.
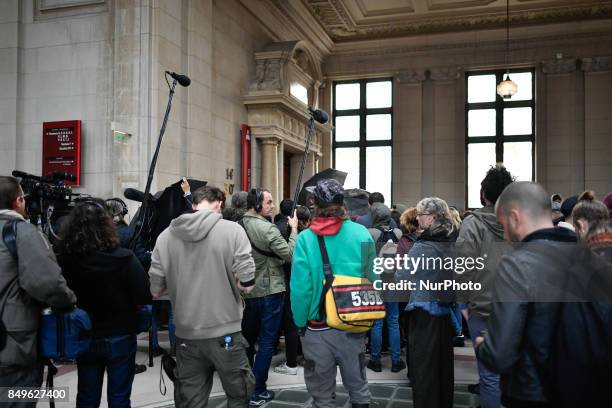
57,69
104,63
573,103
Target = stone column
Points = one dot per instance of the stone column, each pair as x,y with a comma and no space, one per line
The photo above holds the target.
597,123
9,55
326,138
442,152
269,166
408,136
564,112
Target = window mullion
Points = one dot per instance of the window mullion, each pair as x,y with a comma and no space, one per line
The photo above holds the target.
362,134
499,122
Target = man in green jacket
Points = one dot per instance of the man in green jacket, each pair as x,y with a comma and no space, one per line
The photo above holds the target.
324,347
264,305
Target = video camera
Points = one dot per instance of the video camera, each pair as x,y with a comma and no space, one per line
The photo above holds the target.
48,198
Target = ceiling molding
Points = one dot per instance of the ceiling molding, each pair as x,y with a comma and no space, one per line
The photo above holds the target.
600,32
376,13
336,18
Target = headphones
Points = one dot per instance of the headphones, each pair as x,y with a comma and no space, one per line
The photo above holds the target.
122,204
93,202
258,200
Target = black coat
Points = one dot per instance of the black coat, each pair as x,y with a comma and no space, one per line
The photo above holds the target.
109,287
548,345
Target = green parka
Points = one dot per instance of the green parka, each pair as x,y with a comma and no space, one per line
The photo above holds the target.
269,275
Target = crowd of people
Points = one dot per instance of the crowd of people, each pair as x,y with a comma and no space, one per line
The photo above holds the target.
238,279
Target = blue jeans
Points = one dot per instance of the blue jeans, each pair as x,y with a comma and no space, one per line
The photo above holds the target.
392,317
171,326
456,320
116,355
490,393
12,377
260,322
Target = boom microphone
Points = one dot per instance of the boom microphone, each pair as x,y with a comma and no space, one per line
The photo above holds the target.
24,175
133,194
183,80
319,115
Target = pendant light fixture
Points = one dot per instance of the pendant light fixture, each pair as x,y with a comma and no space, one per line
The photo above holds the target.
507,87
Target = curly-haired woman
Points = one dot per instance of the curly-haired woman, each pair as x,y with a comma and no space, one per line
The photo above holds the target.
109,282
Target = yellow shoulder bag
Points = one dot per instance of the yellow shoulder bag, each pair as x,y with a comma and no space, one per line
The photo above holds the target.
348,303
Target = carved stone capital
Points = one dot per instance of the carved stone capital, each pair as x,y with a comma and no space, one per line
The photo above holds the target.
270,141
559,66
596,64
412,76
445,73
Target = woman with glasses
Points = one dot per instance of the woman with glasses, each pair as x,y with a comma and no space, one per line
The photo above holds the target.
430,331
109,283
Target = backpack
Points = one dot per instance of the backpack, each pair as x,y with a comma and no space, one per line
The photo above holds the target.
348,303
386,245
64,335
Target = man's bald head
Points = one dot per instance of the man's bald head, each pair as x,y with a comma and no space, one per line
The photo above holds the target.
522,208
529,197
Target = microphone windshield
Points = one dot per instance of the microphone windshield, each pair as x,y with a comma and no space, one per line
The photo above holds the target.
133,194
319,115
183,80
24,175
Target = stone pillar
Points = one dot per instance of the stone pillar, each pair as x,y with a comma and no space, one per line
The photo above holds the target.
269,166
408,136
442,139
9,80
597,124
564,126
326,137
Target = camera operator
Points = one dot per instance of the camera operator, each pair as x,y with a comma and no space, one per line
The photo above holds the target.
27,283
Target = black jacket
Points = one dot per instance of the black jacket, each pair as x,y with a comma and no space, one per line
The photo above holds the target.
533,316
109,286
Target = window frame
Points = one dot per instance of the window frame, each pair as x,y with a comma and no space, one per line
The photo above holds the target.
363,112
499,105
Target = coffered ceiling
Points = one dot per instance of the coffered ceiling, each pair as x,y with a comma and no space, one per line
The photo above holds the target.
350,20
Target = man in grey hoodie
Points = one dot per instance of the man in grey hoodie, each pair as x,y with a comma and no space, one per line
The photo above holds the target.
482,234
203,263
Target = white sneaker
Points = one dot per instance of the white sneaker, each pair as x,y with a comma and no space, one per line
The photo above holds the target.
285,369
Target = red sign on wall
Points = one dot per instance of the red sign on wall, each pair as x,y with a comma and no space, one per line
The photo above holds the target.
62,148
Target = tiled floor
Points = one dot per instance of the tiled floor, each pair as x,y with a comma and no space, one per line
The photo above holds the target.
388,389
383,396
